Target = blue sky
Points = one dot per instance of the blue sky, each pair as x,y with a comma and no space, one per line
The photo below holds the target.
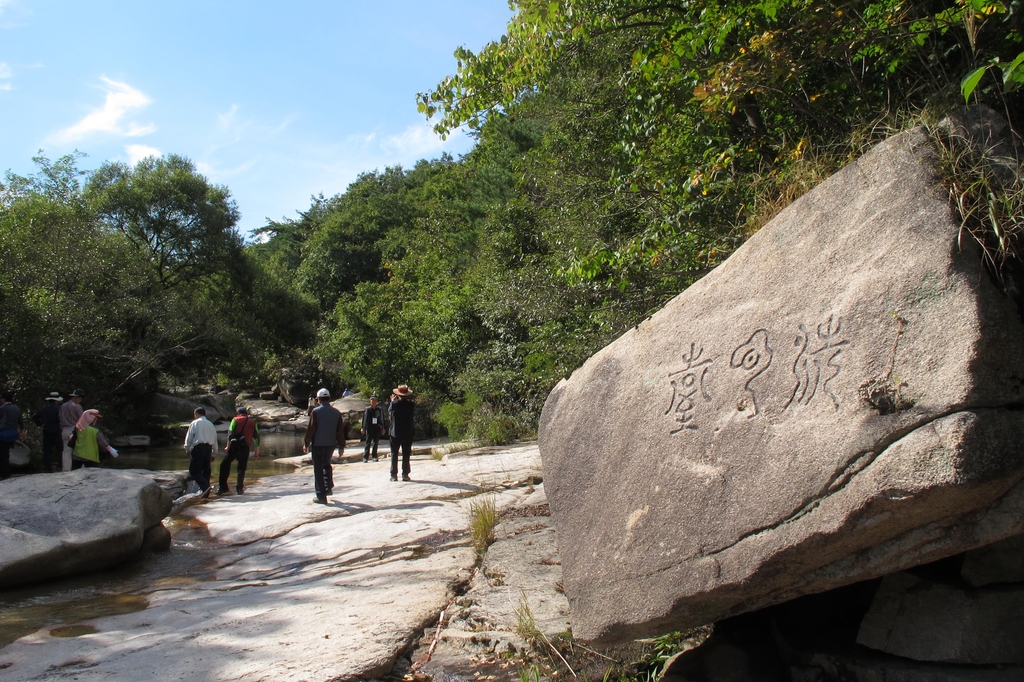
276,100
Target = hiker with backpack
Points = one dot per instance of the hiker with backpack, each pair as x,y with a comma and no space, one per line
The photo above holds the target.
243,434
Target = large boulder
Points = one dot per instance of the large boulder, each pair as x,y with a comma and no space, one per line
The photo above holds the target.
74,522
222,404
171,408
295,387
839,400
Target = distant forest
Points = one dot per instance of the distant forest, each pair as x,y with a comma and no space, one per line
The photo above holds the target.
623,150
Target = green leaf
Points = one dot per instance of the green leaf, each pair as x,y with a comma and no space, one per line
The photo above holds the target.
1011,78
970,82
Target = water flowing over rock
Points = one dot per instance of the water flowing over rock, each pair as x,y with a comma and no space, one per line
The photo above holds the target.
837,401
75,522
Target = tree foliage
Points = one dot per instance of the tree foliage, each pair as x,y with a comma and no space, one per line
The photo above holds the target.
132,275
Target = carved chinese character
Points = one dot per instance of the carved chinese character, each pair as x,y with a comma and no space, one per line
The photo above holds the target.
816,368
754,356
686,383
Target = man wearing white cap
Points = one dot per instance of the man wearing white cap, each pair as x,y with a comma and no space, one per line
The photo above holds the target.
325,432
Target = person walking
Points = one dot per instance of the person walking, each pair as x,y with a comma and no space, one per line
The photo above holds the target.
70,413
200,441
48,417
401,409
88,441
12,426
325,432
243,434
372,428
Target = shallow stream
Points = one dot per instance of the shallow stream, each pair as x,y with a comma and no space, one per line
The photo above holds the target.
61,605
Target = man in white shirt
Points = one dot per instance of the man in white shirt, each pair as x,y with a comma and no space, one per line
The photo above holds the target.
199,443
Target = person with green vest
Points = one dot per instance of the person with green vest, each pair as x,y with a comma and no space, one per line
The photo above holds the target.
89,441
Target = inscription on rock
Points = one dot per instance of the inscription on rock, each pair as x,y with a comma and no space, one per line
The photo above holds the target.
814,368
686,383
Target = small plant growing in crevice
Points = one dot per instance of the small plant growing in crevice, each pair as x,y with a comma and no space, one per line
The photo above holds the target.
483,517
530,673
526,624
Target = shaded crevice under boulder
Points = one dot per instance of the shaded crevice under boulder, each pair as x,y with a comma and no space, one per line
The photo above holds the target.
930,621
837,401
75,522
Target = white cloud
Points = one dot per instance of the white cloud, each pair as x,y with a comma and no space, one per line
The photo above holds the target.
121,99
137,152
416,141
5,70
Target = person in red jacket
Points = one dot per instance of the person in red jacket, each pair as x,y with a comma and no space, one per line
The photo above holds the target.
243,434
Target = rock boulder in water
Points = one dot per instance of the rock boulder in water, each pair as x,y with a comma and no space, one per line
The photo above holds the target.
171,408
54,525
839,400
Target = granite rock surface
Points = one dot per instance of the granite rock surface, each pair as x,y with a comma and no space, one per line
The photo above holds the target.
837,401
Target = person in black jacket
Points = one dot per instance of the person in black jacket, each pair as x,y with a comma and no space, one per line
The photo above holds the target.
372,428
401,411
48,417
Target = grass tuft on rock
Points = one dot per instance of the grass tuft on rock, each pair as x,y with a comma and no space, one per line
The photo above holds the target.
483,517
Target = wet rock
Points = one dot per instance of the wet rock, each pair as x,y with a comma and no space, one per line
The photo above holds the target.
156,539
835,402
1000,562
75,522
927,621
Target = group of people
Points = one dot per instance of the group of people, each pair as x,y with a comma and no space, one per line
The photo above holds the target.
326,432
201,441
71,439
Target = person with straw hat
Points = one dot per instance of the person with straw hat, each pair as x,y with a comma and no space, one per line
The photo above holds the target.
401,411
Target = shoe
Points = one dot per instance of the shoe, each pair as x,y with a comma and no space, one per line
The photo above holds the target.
240,491
222,491
394,478
320,500
366,461
406,478
376,459
206,493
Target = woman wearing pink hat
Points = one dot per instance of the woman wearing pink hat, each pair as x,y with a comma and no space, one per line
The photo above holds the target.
88,441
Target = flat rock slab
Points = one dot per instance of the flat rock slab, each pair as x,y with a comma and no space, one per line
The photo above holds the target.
67,523
301,591
837,401
520,573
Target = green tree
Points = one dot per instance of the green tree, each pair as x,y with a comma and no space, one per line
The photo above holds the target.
172,213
